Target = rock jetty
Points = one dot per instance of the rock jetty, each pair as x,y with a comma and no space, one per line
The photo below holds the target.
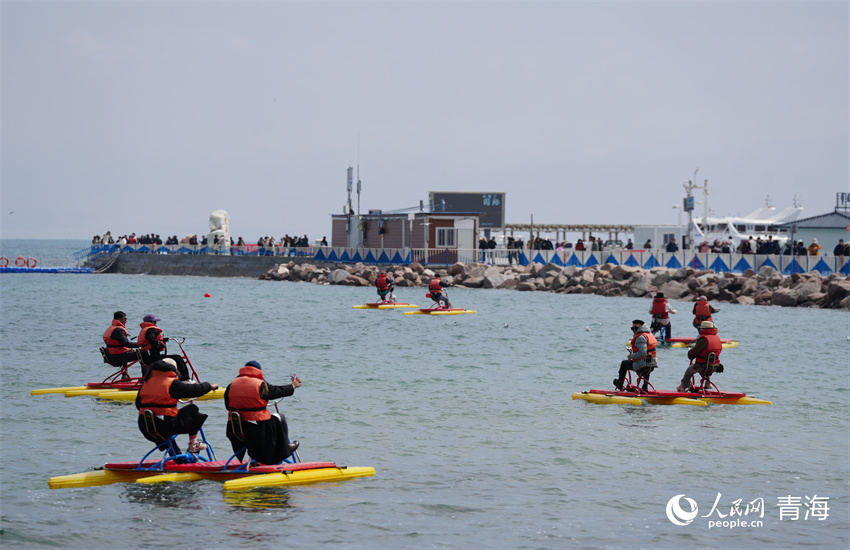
767,287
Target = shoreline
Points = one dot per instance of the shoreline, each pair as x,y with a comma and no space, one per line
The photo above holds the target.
767,287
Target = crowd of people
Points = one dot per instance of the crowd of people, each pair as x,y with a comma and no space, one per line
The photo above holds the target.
267,242
251,428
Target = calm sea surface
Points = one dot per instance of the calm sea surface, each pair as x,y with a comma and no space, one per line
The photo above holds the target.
468,423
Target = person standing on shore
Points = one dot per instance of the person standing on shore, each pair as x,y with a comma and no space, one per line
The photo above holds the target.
814,248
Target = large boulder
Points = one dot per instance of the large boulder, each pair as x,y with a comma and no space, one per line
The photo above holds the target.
493,280
836,292
784,297
805,289
673,289
639,287
548,270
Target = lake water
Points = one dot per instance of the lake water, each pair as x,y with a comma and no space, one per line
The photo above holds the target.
469,424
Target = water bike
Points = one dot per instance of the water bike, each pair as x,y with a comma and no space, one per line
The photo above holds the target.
689,342
120,386
385,304
437,308
236,474
699,395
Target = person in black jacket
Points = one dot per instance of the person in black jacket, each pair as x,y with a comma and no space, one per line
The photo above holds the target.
265,436
159,394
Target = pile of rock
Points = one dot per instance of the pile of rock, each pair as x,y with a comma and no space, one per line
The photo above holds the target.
767,287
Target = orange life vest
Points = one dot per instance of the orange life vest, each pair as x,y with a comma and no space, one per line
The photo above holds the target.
114,347
243,395
142,340
154,396
659,307
381,282
651,343
434,286
702,311
713,345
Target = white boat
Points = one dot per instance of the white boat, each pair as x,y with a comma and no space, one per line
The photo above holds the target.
761,222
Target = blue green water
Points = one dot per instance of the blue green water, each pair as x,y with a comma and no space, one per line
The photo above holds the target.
469,424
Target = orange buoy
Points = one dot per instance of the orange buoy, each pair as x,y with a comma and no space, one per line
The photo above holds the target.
207,295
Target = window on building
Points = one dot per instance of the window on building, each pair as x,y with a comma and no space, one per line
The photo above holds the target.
446,237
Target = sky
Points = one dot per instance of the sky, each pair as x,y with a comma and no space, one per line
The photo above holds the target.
144,117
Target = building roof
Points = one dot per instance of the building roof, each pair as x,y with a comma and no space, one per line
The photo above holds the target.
833,220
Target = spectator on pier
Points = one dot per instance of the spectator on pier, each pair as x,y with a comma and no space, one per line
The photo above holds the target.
725,248
814,248
839,248
324,242
801,249
648,244
672,246
579,245
630,245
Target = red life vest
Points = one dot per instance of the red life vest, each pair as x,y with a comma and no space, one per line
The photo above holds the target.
713,345
243,395
659,307
381,282
434,286
651,343
114,347
702,311
153,395
142,340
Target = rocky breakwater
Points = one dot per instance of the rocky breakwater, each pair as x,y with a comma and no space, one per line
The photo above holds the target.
765,287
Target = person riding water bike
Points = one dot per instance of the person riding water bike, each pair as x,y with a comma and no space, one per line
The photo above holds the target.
707,343
661,311
435,292
385,287
641,358
702,311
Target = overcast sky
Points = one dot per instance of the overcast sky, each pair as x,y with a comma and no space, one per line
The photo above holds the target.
146,117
